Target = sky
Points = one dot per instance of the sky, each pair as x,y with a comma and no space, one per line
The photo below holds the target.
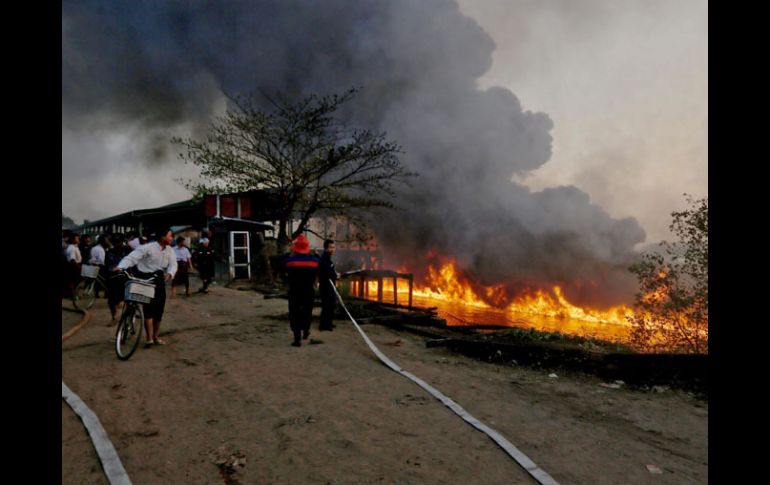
624,83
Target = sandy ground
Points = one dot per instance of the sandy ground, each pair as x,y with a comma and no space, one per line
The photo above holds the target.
229,401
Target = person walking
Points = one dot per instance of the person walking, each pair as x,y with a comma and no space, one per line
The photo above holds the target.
184,265
302,269
73,260
153,260
85,248
98,258
204,261
327,278
115,282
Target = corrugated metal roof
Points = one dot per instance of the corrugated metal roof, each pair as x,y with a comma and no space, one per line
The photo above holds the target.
220,220
185,204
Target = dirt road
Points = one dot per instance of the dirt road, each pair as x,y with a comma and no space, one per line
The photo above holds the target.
229,401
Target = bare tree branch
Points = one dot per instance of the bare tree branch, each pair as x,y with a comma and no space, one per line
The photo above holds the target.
299,149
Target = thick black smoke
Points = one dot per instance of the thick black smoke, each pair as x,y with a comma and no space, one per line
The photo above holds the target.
160,64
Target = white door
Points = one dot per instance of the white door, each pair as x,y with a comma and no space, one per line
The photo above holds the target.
240,256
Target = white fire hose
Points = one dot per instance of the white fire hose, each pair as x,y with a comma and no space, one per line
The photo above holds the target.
537,473
116,474
111,464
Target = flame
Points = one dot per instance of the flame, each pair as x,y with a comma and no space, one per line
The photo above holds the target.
543,304
445,283
454,293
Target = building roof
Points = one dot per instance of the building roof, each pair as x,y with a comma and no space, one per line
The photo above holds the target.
170,208
223,220
179,215
184,227
187,212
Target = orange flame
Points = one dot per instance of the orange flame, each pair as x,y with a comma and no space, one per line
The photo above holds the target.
446,284
452,292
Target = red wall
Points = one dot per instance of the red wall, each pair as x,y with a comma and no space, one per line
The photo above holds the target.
210,205
245,207
227,206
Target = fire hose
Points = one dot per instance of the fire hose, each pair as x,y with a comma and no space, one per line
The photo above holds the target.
523,460
111,464
86,318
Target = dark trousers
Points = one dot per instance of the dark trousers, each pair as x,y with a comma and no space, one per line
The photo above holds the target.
300,312
116,285
155,308
206,278
328,305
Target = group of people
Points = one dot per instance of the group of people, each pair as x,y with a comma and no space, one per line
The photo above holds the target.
303,267
202,259
158,259
147,258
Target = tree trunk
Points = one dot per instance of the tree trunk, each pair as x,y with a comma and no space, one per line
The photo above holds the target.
304,221
283,240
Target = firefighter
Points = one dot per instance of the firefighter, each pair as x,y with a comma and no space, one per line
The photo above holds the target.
302,269
204,261
327,277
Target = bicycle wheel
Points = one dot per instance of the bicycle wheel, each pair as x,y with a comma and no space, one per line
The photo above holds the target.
129,331
84,296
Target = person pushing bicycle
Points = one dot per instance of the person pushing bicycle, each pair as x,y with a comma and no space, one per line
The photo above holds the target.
153,260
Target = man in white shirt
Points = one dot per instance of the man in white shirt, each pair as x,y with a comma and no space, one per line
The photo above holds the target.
155,259
73,258
97,258
73,251
184,265
98,252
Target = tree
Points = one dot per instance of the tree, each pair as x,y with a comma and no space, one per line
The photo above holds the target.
302,153
671,310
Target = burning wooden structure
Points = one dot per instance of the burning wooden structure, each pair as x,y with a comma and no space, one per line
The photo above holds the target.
360,282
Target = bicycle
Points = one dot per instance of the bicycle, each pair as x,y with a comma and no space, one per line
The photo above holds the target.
138,292
85,292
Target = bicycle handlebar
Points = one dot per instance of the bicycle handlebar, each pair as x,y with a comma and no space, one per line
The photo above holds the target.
131,277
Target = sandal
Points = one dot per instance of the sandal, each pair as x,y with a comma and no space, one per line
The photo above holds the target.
159,342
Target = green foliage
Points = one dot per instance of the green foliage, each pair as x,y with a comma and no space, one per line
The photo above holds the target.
671,310
198,194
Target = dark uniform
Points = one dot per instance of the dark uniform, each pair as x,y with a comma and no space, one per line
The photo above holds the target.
85,252
302,271
327,272
204,261
115,281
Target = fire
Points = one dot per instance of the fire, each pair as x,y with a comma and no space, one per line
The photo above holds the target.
461,301
446,284
543,304
452,293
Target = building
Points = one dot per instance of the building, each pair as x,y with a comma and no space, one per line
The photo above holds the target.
243,229
234,222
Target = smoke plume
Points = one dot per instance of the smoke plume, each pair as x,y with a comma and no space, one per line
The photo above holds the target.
156,66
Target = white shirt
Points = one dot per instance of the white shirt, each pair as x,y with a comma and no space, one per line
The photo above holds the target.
182,254
73,254
134,243
150,258
97,255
